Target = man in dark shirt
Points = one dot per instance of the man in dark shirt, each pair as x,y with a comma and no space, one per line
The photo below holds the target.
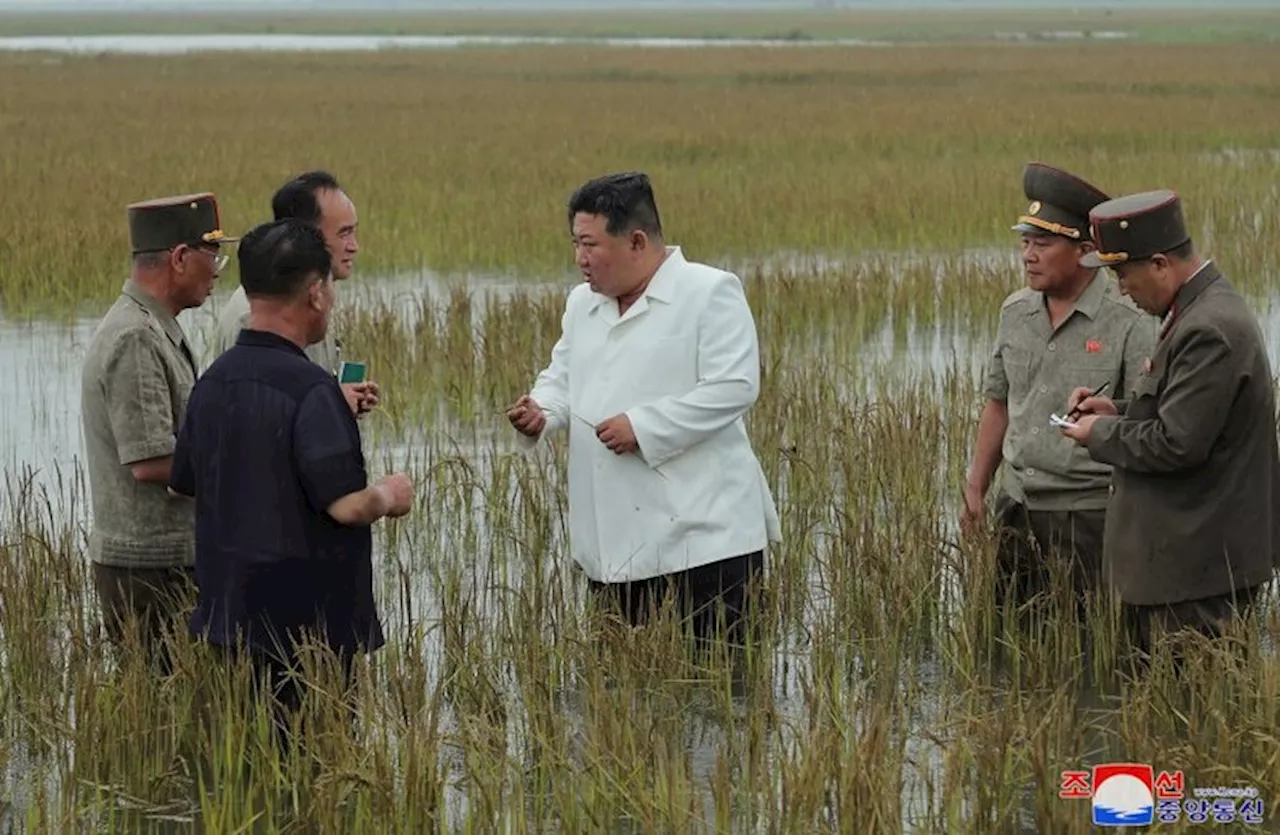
271,453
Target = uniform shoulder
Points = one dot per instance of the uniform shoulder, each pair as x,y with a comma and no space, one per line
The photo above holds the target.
124,327
1019,297
1113,298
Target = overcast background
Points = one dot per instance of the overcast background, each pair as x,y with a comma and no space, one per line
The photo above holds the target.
631,5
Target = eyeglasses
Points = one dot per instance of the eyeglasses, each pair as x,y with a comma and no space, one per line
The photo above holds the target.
220,259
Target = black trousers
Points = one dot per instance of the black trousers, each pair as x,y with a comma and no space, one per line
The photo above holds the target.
154,600
277,676
1208,616
718,600
1033,543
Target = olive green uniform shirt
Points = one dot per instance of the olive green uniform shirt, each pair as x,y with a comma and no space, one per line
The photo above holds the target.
234,316
137,375
1034,369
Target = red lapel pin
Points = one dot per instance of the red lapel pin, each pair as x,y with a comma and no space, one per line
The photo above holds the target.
1093,346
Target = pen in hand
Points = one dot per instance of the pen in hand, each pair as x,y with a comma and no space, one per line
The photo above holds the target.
1075,413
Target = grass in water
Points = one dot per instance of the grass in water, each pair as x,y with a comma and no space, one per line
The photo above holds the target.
866,197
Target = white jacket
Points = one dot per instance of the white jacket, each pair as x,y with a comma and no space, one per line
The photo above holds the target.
684,365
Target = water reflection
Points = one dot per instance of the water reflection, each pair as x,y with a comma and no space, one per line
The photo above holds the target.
183,44
39,421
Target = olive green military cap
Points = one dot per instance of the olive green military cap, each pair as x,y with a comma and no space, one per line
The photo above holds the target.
163,223
1134,227
1060,202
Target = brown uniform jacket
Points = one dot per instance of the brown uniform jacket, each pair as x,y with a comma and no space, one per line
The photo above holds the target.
1196,466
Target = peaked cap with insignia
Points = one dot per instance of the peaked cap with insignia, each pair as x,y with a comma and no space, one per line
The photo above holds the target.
1136,226
1060,202
163,223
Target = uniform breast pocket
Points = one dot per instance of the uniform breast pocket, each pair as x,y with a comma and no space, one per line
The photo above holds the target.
1145,391
664,366
1017,367
1148,385
1092,376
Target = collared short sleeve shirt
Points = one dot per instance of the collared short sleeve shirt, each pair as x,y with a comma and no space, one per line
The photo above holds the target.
268,445
137,376
1034,368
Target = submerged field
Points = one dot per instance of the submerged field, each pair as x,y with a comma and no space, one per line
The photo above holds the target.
1235,23
865,195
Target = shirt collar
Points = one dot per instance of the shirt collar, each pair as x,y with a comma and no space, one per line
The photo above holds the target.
1204,275
152,305
661,287
267,339
1089,302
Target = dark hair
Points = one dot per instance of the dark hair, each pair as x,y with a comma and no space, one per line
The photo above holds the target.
626,199
297,198
1182,251
280,258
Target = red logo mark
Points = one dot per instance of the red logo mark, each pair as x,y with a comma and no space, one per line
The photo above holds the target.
1075,784
1093,346
1169,786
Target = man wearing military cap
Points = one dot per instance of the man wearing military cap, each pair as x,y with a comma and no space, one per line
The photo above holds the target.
1194,530
1068,327
137,374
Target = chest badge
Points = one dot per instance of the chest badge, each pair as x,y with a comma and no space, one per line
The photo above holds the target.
1093,346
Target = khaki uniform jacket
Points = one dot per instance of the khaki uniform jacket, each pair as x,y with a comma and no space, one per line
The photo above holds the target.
136,379
1196,466
234,316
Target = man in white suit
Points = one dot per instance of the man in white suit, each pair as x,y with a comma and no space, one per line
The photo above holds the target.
655,367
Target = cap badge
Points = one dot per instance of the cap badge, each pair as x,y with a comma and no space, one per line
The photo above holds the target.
1124,224
1034,208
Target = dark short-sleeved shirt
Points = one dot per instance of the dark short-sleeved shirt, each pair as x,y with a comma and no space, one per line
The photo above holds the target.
1034,368
267,446
137,375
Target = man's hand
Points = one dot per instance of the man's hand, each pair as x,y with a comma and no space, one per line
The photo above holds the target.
616,433
369,397
1080,402
527,417
973,512
360,397
1080,432
397,490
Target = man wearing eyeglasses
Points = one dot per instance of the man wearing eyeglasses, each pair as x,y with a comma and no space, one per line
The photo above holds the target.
137,375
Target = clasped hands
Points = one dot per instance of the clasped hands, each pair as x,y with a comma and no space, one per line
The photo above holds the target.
615,433
1085,408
